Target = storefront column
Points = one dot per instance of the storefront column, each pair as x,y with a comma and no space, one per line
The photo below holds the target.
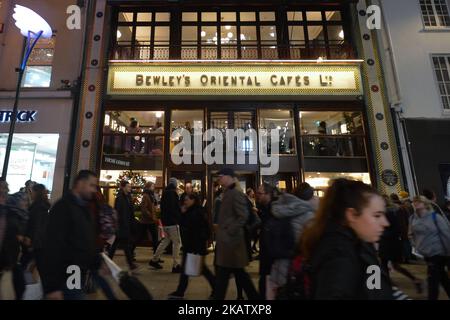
86,146
382,135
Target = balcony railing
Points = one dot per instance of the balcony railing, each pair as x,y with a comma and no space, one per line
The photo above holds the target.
339,51
350,146
139,151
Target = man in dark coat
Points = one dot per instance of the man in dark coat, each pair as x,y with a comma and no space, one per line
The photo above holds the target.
125,211
231,247
170,218
69,249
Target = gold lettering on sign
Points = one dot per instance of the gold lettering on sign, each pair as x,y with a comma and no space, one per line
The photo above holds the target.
326,81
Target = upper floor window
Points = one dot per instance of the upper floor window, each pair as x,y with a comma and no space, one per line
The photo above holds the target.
143,35
435,13
229,35
441,69
315,34
38,72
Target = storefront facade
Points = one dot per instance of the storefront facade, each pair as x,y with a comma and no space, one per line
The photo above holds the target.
40,141
296,68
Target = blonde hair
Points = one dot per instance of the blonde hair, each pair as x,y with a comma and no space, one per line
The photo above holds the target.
425,201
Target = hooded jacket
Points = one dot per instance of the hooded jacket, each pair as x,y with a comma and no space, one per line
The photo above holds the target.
296,213
427,238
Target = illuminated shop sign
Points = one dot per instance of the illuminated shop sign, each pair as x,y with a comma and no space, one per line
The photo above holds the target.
22,116
234,79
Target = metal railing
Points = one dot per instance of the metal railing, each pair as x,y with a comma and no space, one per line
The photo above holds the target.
351,146
134,144
232,51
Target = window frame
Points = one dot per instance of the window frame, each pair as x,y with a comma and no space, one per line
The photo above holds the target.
446,56
435,15
22,85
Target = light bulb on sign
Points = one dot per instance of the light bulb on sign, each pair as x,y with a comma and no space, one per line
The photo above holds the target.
29,21
230,34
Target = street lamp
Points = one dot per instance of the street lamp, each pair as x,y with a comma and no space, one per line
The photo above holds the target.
32,26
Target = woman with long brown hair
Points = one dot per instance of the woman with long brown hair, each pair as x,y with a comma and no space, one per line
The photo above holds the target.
339,244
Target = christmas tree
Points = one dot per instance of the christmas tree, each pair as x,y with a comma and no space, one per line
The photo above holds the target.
137,181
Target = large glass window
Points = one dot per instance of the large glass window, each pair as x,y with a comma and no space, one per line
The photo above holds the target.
332,134
283,121
314,34
237,35
143,35
133,140
33,157
38,72
191,120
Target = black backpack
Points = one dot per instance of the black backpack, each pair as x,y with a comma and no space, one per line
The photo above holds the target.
299,282
279,238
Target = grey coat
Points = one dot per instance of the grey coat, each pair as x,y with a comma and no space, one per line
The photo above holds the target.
426,238
300,212
231,248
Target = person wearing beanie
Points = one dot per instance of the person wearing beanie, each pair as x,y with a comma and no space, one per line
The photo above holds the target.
170,218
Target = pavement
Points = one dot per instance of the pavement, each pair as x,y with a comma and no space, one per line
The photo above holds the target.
162,282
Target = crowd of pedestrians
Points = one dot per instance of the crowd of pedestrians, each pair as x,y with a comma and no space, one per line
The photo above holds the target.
306,247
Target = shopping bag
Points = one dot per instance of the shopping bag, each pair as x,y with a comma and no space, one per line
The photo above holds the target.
6,286
112,266
193,265
33,291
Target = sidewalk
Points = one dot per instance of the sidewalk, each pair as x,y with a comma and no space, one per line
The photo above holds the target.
162,282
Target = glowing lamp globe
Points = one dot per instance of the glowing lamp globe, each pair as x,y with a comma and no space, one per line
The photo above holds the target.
30,23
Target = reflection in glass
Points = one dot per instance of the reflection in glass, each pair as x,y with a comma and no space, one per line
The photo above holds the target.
33,157
332,134
190,120
282,120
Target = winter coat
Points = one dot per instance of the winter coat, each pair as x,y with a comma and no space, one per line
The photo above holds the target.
148,208
37,224
340,271
427,238
125,211
195,231
298,213
391,240
10,226
69,240
170,207
231,248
